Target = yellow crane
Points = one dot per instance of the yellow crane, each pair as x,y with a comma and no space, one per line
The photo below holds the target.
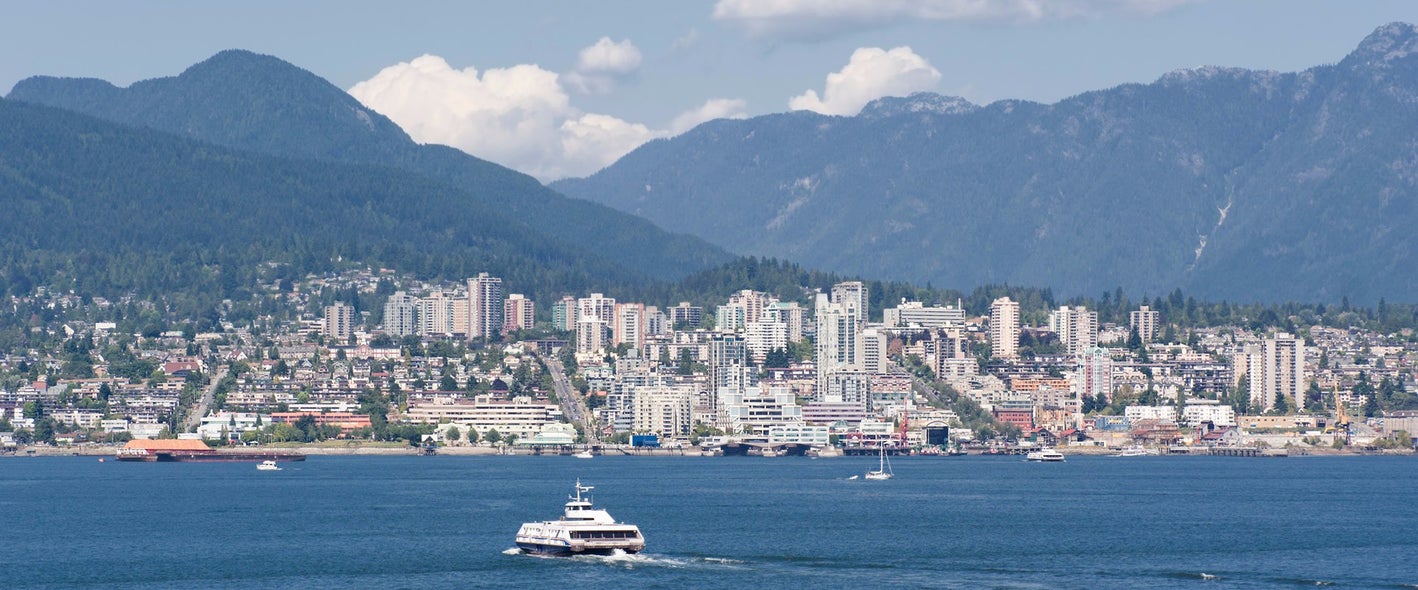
1341,419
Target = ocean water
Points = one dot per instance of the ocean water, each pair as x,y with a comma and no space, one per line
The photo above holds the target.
731,522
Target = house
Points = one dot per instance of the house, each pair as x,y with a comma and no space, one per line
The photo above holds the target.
1043,437
1225,436
1074,436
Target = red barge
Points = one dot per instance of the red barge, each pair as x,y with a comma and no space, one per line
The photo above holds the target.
169,450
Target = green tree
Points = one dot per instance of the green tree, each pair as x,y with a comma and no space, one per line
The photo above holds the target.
452,434
493,436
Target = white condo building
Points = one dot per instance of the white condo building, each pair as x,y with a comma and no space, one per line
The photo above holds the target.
1076,327
1144,320
1004,328
664,410
484,306
914,313
1275,368
400,313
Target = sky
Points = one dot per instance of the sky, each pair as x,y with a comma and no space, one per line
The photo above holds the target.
564,88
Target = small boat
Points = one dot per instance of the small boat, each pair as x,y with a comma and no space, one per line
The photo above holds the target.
581,529
586,454
1046,454
883,470
268,465
1136,451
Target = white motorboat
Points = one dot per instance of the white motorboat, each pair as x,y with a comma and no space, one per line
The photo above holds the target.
268,465
584,454
883,470
1046,454
581,529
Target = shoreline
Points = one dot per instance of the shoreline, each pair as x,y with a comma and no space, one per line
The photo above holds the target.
468,451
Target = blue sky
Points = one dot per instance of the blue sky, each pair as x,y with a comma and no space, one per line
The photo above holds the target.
562,88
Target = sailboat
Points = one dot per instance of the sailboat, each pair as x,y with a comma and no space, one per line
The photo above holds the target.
883,470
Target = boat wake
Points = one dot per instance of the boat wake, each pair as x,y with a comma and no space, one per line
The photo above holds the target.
637,560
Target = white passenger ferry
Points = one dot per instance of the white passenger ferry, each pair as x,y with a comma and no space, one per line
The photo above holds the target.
582,529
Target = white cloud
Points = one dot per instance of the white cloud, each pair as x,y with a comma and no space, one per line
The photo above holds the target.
601,65
714,108
520,117
609,57
820,18
871,73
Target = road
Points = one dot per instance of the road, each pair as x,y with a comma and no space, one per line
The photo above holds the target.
570,400
194,417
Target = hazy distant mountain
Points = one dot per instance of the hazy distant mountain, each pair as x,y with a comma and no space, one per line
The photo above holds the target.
107,209
1225,182
263,104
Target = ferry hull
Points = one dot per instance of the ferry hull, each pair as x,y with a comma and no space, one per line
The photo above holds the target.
564,551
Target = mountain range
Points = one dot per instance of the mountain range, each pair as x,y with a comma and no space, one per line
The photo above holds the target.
264,106
1228,183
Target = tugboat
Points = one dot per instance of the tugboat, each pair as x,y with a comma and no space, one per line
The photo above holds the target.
581,530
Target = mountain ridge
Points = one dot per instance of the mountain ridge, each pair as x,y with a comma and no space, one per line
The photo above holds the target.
1226,182
260,103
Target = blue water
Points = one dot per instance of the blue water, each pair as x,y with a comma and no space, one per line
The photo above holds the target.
750,522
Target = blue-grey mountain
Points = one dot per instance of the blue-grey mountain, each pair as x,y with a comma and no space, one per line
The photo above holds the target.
262,104
97,208
1227,183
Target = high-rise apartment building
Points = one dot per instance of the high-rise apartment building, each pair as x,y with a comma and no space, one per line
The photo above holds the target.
339,322
790,314
839,344
1275,368
1004,328
1095,373
1144,321
852,294
436,314
484,306
563,314
518,313
686,315
1077,328
400,314
753,302
629,327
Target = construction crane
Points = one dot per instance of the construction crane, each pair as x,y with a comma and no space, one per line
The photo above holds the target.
1341,419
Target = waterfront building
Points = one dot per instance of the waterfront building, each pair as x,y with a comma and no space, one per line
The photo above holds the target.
801,434
1194,414
729,370
522,416
518,313
400,314
1077,328
339,322
663,410
757,410
1144,321
1004,328
829,413
1160,414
